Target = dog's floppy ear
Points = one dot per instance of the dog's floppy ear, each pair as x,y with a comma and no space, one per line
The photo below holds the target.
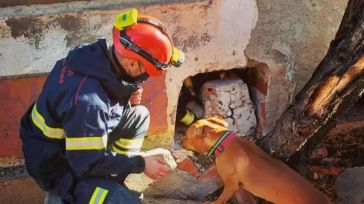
218,121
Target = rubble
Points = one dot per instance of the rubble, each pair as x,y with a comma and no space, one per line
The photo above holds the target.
14,171
350,186
341,150
319,153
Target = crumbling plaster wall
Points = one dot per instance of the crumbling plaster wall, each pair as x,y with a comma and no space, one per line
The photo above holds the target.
290,37
218,42
213,34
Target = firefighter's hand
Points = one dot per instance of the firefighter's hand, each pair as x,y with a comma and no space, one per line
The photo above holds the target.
155,167
136,97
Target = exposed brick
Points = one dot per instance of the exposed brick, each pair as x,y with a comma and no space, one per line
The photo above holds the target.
188,166
259,78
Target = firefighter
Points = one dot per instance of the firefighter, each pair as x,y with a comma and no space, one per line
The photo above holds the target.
82,135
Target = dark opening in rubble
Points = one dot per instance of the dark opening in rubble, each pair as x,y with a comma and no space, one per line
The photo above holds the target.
190,103
190,100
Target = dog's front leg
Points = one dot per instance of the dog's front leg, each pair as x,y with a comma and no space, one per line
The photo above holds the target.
231,185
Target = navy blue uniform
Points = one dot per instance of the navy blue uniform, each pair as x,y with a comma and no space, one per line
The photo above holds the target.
80,137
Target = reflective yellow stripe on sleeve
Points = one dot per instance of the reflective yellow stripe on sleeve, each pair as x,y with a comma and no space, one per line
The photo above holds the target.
38,120
130,143
84,143
127,153
98,196
128,147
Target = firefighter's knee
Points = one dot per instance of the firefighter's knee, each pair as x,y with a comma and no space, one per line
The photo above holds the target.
141,111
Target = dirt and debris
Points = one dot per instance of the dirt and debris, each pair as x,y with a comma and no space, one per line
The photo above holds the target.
202,162
342,148
11,172
344,151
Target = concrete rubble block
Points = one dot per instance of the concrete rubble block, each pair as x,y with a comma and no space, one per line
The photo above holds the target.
229,98
349,186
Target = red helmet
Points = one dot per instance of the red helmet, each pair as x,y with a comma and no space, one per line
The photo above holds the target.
144,40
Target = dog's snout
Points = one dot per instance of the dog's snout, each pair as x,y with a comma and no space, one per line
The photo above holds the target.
185,143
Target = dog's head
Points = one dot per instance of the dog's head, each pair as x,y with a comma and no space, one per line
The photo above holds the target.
202,135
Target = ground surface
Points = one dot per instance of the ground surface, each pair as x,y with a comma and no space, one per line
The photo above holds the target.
342,148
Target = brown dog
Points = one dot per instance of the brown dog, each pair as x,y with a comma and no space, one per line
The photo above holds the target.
242,163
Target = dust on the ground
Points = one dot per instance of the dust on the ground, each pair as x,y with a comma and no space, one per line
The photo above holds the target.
338,151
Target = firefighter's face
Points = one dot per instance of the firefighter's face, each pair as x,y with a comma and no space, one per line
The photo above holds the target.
134,68
135,71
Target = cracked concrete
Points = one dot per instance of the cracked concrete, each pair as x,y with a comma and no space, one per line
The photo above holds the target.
230,99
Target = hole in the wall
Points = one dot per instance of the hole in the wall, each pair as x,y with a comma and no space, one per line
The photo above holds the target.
193,99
